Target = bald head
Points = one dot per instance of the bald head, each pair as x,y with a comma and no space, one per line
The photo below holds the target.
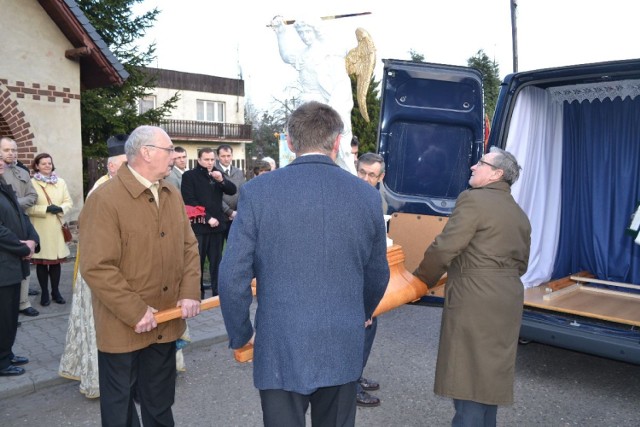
9,150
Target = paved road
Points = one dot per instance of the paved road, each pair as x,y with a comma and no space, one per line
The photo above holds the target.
554,387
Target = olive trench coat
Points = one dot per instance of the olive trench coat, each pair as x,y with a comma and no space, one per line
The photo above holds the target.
484,248
134,255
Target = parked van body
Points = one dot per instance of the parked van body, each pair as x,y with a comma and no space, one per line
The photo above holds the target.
576,133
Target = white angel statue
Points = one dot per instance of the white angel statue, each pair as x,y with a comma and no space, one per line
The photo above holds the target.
322,72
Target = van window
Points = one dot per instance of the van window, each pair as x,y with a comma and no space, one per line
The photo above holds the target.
427,159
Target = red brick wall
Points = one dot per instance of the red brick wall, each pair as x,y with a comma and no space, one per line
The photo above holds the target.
12,118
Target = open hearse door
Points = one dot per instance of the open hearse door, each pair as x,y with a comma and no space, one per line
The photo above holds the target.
430,134
576,132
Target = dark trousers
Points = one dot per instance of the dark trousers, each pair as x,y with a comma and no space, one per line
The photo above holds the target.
226,232
330,407
9,302
369,336
473,414
210,247
150,373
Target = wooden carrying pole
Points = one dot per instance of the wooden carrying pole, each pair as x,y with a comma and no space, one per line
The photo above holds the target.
605,282
243,354
403,288
176,312
207,304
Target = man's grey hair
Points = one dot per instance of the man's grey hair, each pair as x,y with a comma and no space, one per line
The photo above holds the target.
270,161
507,163
314,127
142,135
371,158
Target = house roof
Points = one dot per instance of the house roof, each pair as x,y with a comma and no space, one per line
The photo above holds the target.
98,66
179,80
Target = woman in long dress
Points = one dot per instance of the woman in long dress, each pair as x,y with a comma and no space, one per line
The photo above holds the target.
47,217
80,357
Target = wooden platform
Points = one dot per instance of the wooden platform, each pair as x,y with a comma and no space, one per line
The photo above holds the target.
414,233
580,300
587,301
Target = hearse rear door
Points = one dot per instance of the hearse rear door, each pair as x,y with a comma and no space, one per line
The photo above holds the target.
430,134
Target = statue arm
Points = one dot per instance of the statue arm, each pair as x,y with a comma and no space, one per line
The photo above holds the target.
289,44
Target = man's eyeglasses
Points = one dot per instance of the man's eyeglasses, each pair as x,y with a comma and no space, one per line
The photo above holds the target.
487,163
168,150
362,173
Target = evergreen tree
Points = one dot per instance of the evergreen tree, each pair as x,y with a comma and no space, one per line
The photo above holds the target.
367,133
490,80
266,134
114,109
415,56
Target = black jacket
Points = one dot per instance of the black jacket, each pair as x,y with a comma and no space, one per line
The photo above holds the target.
14,226
200,189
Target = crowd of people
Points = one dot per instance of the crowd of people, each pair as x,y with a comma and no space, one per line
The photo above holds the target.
312,236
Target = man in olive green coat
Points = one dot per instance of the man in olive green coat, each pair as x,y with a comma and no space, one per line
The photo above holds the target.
484,248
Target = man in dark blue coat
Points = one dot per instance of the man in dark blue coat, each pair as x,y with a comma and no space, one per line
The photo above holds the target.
204,186
313,237
18,242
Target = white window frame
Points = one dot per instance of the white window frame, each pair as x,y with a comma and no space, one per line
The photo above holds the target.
143,104
210,111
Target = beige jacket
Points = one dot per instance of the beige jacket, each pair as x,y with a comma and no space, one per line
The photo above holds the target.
484,248
135,255
48,226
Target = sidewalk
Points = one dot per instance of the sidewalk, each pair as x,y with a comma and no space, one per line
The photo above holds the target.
42,339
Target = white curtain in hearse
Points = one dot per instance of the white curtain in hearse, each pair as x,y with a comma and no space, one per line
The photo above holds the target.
535,138
580,151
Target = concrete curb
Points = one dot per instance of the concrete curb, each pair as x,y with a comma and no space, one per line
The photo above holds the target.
42,338
24,385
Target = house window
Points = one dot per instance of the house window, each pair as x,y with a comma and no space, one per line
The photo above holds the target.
147,103
210,111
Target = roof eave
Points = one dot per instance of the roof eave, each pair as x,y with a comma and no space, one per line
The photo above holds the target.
98,66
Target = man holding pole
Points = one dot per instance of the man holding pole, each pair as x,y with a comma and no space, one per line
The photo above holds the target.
312,236
139,255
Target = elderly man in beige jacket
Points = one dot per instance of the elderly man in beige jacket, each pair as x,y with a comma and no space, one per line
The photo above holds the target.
484,248
139,255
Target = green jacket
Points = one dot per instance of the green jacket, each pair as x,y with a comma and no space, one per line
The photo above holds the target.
484,248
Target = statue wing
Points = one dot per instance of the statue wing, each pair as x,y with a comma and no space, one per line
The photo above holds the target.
361,61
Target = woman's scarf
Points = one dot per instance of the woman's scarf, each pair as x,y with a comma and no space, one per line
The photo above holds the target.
52,179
